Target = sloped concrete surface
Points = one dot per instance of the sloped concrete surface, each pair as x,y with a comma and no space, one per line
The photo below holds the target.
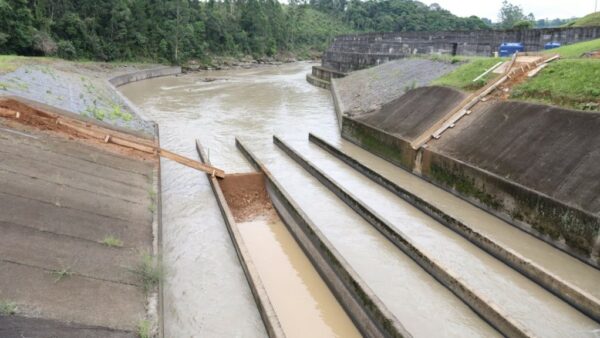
19,327
413,113
58,200
552,150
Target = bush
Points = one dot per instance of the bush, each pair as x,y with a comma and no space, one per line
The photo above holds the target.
66,50
44,44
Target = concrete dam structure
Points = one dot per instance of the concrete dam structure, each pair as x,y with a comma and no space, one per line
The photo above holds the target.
357,51
311,232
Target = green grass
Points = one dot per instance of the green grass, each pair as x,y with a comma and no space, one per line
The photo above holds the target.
112,241
565,83
463,76
575,50
143,329
149,272
9,63
592,19
61,274
7,308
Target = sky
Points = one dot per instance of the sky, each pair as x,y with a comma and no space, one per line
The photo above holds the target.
541,9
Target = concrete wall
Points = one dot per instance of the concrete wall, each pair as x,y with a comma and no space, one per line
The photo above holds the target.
144,75
533,165
352,52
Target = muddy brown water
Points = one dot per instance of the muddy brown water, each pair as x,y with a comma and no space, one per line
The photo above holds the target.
205,289
304,305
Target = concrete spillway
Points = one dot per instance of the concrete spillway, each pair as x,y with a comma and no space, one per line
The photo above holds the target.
493,282
256,104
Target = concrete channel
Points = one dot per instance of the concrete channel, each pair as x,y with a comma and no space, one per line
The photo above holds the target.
367,311
583,298
485,308
204,265
484,283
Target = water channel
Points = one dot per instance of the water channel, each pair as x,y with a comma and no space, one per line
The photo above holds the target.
206,293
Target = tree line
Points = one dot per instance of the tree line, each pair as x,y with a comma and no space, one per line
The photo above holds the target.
179,30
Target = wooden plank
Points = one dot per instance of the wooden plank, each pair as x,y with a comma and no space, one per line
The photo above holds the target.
488,71
191,163
534,72
8,113
110,136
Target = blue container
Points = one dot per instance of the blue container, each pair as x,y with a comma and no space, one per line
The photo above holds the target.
509,48
552,45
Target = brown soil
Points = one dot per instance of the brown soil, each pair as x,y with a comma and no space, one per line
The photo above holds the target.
247,196
33,119
503,91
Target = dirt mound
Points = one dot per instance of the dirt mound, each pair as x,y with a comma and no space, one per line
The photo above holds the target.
246,195
414,112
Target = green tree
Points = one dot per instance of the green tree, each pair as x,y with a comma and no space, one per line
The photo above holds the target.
510,15
16,27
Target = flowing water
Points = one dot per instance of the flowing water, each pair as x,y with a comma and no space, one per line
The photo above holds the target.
205,292
205,289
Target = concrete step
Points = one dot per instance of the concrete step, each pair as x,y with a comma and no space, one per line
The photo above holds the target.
77,150
73,178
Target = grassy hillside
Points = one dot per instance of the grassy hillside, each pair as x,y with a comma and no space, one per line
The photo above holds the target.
575,50
588,20
462,78
9,63
572,82
566,83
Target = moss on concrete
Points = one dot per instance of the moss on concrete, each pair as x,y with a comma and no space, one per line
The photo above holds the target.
375,143
465,185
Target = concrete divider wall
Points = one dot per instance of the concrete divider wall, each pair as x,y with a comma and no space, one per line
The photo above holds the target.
564,226
368,313
567,227
353,52
562,289
144,75
379,142
317,82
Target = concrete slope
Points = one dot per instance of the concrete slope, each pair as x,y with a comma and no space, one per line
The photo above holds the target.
59,199
18,327
549,149
414,112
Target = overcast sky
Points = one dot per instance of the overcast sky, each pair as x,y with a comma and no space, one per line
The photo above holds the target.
541,9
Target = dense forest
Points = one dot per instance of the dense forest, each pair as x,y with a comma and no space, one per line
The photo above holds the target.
179,30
